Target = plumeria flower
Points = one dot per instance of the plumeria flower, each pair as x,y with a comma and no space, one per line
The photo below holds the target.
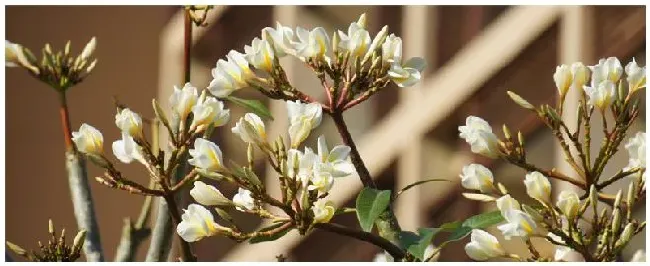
209,111
206,155
506,202
182,101
15,56
243,200
334,161
635,147
580,75
569,203
307,160
280,38
538,187
518,223
391,49
636,76
126,150
302,118
478,177
478,134
208,195
197,223
260,54
601,95
606,69
231,75
407,74
129,122
564,253
321,180
323,210
312,44
88,140
357,40
483,246
250,129
563,79
377,42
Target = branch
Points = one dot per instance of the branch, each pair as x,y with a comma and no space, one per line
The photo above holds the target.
134,235
394,250
161,237
82,202
364,174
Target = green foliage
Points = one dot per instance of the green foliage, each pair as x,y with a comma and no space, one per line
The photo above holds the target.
370,204
254,106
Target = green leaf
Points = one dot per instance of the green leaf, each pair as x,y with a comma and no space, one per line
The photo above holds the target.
417,244
418,183
480,221
254,106
370,204
273,237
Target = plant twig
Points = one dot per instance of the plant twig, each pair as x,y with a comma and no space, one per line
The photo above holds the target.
161,237
392,249
134,234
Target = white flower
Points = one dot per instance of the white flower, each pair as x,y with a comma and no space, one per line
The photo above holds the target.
538,187
321,180
323,210
407,74
606,69
205,155
312,44
280,39
639,256
383,257
563,79
250,129
334,161
636,76
126,150
478,134
183,100
306,165
129,122
356,41
260,54
231,75
569,203
601,95
483,246
197,223
208,195
15,56
88,140
243,200
564,253
580,74
518,223
209,111
635,147
478,177
391,50
506,202
302,118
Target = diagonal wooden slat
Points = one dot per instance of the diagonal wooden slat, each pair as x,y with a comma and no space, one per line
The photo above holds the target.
472,66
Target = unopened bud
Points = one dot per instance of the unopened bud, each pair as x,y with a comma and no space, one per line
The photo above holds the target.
335,42
520,101
66,50
79,240
593,196
250,155
617,201
17,249
521,138
506,132
631,194
89,49
616,221
50,226
91,66
362,21
48,49
626,235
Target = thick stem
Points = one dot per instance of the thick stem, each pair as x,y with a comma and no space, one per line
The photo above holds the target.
392,249
134,234
82,202
387,224
186,251
161,237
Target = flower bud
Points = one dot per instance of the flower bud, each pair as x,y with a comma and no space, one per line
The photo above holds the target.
580,75
182,101
303,118
197,223
208,111
636,76
483,246
89,49
208,195
616,221
478,177
626,235
129,122
538,187
569,203
602,95
243,200
617,200
250,129
478,134
78,242
563,79
88,140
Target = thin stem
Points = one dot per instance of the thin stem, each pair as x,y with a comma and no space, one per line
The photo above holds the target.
65,122
187,46
186,251
394,250
364,174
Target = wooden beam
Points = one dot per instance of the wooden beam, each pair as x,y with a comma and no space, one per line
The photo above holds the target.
472,66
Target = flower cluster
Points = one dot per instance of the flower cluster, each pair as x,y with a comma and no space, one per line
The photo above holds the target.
557,221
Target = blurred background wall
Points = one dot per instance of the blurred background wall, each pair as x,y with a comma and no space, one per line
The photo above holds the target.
500,48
